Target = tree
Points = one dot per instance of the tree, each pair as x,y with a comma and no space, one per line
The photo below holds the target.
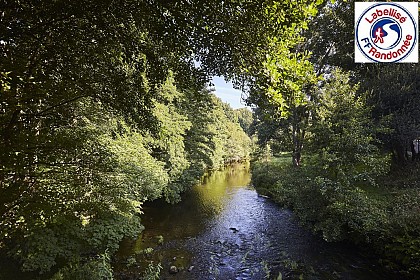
394,98
81,86
391,88
56,54
330,36
168,145
84,195
287,85
343,132
271,130
245,119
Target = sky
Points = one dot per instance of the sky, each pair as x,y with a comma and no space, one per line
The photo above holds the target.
227,93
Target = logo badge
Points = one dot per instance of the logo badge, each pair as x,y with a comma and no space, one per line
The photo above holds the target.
386,32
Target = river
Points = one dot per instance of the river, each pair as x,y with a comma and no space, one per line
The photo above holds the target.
223,229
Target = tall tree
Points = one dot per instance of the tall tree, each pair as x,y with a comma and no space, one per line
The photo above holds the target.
342,131
287,87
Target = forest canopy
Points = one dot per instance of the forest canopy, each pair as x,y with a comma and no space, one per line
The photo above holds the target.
102,107
107,104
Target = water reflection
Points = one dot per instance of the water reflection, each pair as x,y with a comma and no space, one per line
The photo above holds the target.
198,206
213,195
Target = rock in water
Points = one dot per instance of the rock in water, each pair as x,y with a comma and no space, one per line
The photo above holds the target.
235,230
173,270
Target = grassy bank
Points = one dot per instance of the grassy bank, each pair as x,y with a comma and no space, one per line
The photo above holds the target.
381,212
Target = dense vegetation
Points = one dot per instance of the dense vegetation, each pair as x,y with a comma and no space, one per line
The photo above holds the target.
98,170
104,104
351,172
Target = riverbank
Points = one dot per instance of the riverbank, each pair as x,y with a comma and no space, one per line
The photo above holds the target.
222,229
381,214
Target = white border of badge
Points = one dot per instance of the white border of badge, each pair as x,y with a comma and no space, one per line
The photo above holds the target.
360,9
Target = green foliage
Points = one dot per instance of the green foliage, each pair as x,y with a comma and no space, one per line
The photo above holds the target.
152,272
245,119
327,37
272,131
159,239
140,175
392,89
288,74
284,94
352,121
169,145
265,175
89,191
336,211
197,132
85,197
131,261
216,135
328,191
403,244
344,191
97,268
394,98
343,134
174,126
101,109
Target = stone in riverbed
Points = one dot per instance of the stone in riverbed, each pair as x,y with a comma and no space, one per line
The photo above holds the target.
173,270
235,230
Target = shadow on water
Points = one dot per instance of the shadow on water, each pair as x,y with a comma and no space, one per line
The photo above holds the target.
222,229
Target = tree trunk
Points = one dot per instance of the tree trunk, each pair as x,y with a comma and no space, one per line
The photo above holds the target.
296,158
298,135
399,155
